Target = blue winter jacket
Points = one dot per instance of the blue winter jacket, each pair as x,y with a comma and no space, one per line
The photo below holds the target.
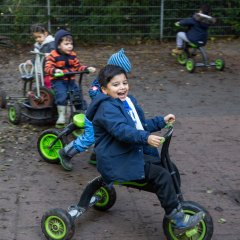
198,28
119,146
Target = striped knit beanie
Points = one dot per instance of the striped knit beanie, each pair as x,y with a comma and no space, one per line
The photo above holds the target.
121,60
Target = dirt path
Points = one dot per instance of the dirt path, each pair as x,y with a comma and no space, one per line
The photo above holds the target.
205,147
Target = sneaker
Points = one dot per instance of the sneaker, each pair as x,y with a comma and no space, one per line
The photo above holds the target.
93,160
65,160
177,51
184,221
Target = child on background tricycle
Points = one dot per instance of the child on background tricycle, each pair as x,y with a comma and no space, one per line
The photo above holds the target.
118,59
63,60
83,142
197,32
44,44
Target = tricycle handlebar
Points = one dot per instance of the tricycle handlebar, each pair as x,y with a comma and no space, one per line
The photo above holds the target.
70,73
168,134
37,53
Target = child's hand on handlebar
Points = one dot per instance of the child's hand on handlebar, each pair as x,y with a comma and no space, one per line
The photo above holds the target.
91,69
58,70
169,119
155,140
177,24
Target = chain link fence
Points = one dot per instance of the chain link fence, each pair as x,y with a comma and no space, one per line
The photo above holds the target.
100,21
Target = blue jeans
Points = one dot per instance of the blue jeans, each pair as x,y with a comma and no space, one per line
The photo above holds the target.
61,89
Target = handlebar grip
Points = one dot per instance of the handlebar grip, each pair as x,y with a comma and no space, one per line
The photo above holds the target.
177,24
169,125
61,74
162,140
58,74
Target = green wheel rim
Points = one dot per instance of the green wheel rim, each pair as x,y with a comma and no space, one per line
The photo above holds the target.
51,154
103,194
189,65
55,227
219,64
182,58
12,114
200,233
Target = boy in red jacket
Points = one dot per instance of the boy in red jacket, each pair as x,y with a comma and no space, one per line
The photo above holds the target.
61,60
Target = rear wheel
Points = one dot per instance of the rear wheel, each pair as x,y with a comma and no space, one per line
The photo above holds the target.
57,224
203,231
44,100
107,196
3,100
50,155
190,65
182,58
14,113
219,64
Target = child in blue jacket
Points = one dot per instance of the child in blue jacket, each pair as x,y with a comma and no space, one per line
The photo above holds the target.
197,32
118,59
122,139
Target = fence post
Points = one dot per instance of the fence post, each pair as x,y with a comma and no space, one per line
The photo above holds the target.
48,14
161,19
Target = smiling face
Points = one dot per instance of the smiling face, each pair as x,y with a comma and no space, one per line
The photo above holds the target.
117,87
66,46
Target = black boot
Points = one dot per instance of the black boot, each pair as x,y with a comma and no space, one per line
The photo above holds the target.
65,155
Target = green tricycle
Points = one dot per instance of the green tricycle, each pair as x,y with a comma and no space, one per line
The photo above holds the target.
188,58
59,224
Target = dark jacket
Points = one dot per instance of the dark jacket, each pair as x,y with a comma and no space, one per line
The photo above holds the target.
119,146
95,89
65,62
198,28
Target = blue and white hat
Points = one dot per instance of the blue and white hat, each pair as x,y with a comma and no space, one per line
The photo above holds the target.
121,60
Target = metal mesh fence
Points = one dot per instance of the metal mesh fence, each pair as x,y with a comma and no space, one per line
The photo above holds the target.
99,20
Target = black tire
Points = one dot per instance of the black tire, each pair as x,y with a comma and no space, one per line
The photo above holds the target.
14,113
182,58
219,64
57,224
3,100
45,100
190,65
203,231
44,141
108,198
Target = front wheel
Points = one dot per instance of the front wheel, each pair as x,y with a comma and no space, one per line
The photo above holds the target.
107,197
57,224
14,113
190,65
219,64
48,154
203,231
